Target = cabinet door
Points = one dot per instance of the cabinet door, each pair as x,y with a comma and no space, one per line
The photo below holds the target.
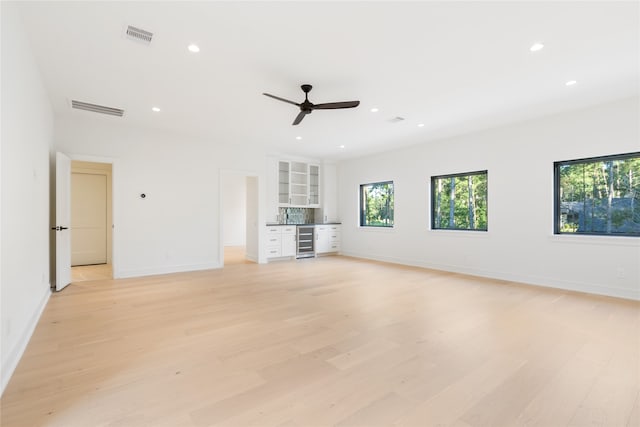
299,184
322,239
314,186
289,244
284,191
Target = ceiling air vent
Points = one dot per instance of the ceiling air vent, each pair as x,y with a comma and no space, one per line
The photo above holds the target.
97,108
397,119
138,34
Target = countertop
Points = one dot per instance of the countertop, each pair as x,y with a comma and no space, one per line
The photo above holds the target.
271,224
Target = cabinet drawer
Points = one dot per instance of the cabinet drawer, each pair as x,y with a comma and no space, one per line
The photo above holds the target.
334,236
273,252
274,240
274,230
289,230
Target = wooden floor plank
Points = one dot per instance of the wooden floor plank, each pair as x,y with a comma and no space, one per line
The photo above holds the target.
327,341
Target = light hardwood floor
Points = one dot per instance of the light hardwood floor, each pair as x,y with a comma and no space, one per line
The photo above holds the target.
235,255
327,341
84,273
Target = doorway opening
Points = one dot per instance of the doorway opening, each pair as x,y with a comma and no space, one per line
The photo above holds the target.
239,209
91,219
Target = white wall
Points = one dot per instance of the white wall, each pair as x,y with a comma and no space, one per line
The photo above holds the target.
234,209
27,129
520,244
176,227
329,190
253,225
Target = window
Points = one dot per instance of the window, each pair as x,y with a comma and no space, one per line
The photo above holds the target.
459,201
600,195
376,204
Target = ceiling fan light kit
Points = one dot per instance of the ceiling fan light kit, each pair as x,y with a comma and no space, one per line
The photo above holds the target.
306,107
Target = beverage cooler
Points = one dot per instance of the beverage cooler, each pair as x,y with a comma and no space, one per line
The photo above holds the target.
305,241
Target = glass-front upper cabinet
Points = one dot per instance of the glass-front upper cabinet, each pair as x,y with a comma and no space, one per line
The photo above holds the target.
314,185
298,184
284,195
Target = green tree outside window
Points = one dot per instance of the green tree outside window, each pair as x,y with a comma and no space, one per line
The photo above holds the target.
598,195
459,201
376,204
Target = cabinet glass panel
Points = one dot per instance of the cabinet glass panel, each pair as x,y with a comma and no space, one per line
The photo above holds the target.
299,184
298,178
299,167
283,182
314,185
299,199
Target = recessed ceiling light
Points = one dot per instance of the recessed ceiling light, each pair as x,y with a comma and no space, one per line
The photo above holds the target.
155,109
341,146
374,110
193,48
298,138
571,83
421,125
536,47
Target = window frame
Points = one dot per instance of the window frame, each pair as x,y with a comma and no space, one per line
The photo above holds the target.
362,211
433,200
556,193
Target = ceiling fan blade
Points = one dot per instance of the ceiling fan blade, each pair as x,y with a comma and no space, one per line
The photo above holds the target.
281,99
299,117
336,105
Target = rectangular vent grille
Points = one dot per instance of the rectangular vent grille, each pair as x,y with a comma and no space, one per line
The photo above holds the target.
97,108
139,34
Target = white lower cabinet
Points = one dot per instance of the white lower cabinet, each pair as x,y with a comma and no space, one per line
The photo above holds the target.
274,242
281,241
328,238
289,240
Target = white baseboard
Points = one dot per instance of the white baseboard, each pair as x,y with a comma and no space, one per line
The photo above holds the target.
547,282
123,274
15,354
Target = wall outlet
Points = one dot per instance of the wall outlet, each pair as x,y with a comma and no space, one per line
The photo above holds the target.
620,273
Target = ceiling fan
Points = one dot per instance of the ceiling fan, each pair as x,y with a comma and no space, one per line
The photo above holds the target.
307,107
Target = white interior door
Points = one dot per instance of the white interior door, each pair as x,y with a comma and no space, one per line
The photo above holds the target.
63,221
88,219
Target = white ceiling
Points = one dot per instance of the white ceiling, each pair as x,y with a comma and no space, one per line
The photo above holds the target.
455,66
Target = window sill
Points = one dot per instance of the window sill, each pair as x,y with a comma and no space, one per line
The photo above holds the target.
377,229
461,233
596,240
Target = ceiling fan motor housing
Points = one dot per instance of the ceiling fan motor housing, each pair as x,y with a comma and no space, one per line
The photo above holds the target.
306,106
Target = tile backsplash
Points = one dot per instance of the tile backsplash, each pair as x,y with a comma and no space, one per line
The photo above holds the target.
296,215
